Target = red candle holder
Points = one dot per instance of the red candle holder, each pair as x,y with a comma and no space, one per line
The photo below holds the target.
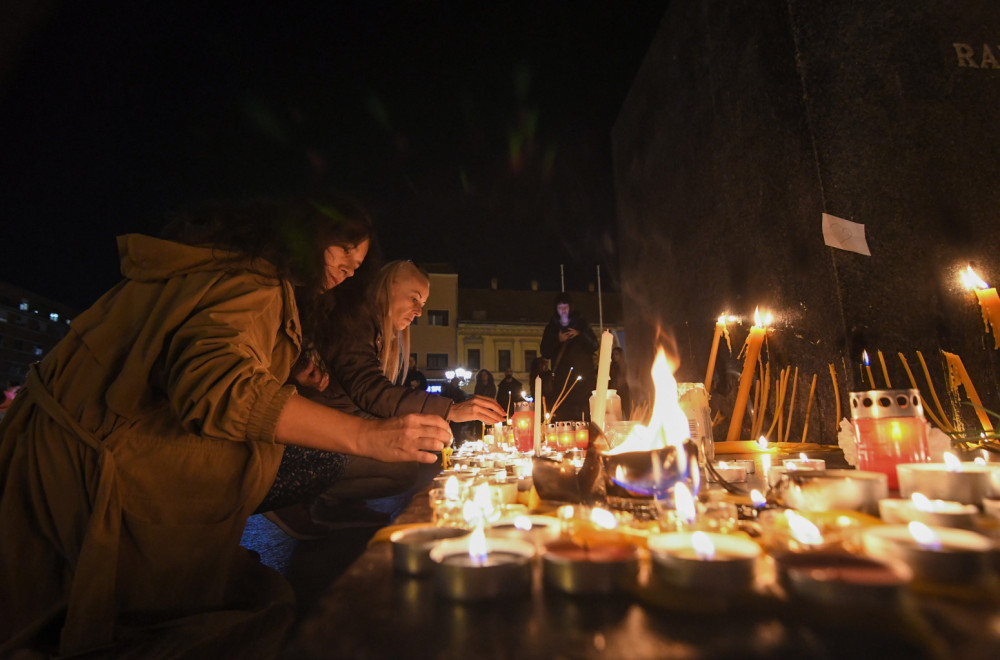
523,421
567,435
890,429
582,435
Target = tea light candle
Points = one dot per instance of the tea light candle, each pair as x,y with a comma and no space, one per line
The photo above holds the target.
734,473
940,513
411,547
535,529
804,463
951,480
600,568
705,561
476,567
841,579
852,490
935,554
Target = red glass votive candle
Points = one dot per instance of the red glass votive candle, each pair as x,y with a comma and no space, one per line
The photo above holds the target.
890,429
567,438
582,435
552,435
523,422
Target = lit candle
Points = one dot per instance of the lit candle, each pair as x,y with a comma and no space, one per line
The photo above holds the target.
989,302
959,376
476,567
720,330
582,436
704,561
603,372
936,555
803,462
919,508
734,473
411,547
950,480
753,345
538,415
868,369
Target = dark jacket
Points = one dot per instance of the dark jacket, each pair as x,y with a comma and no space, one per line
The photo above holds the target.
357,383
579,351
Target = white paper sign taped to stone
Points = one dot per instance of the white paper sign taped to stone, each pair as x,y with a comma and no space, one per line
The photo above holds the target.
844,234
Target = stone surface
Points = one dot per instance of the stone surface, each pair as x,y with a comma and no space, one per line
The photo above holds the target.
746,122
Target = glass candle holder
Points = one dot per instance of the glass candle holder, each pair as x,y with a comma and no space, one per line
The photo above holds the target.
581,435
551,435
567,439
890,429
523,423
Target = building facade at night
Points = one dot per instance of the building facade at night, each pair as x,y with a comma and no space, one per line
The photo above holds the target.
29,326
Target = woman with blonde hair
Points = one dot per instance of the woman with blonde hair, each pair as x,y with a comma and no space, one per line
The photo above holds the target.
366,347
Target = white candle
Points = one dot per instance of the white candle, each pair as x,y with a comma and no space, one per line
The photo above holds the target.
538,414
603,374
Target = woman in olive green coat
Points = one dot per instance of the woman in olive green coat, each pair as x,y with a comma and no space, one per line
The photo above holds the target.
139,446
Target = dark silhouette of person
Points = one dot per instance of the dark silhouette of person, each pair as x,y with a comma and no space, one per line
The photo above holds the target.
414,377
509,391
569,343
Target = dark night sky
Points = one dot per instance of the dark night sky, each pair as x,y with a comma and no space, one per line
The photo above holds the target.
476,134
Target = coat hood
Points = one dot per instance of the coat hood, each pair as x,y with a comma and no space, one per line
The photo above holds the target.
146,258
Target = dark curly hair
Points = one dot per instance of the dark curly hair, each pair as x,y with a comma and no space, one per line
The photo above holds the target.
292,235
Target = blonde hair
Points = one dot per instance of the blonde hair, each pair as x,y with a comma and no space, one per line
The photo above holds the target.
394,343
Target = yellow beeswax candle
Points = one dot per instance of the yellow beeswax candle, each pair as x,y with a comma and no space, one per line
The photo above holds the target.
959,376
989,302
753,345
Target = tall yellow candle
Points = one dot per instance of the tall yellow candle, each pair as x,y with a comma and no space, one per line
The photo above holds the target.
600,407
959,376
989,302
868,368
538,415
720,329
753,344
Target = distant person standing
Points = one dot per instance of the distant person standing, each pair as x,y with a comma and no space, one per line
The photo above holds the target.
415,378
569,343
509,391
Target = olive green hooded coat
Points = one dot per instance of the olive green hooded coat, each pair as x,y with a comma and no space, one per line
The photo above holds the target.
133,456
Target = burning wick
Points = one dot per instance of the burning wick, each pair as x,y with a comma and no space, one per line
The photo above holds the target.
924,536
803,529
477,547
951,462
757,498
704,549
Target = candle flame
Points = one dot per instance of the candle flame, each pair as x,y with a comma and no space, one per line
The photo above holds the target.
703,546
451,488
951,462
723,465
756,317
979,460
921,502
970,280
477,546
803,456
803,529
668,425
722,319
603,518
865,359
522,523
762,442
757,498
684,503
924,536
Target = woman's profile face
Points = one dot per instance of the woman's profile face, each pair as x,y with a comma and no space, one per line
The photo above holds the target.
407,297
341,261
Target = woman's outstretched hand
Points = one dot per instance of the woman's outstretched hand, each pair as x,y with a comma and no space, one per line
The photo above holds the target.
477,409
408,438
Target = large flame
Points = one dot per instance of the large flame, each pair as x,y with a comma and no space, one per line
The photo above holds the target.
971,280
668,425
